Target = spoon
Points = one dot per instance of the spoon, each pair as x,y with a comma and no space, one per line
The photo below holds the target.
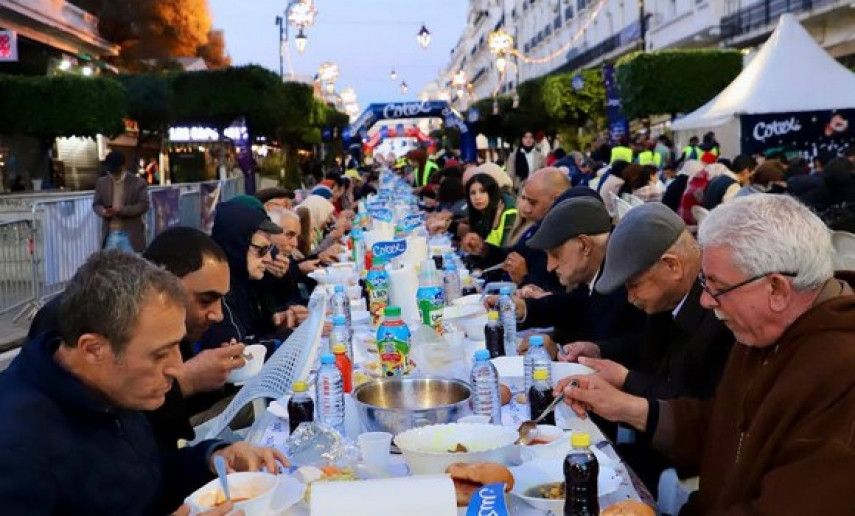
220,466
478,274
527,427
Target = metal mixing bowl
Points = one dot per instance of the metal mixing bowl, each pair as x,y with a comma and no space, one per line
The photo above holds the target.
397,404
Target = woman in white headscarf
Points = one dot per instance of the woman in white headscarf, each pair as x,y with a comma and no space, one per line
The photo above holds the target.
315,213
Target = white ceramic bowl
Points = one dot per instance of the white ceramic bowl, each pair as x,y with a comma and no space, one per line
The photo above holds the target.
543,471
470,318
557,445
268,494
252,366
425,449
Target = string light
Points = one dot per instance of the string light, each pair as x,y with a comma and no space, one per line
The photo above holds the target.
404,87
502,44
423,37
393,75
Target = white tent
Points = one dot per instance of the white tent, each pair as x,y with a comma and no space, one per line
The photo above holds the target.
790,73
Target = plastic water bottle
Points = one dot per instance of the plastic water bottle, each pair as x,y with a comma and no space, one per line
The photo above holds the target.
341,306
329,393
536,359
485,386
340,335
430,297
358,243
451,282
508,316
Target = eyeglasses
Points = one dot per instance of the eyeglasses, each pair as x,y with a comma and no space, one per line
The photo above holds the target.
261,250
717,294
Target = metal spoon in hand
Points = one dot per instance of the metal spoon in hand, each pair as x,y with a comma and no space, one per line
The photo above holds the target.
527,427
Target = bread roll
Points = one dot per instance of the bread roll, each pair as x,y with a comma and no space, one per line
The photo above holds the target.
468,478
504,393
628,508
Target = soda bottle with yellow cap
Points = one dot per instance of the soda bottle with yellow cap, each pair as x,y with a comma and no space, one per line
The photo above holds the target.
580,478
301,408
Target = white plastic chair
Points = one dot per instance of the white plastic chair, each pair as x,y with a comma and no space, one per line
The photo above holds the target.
622,208
673,492
699,213
292,361
844,247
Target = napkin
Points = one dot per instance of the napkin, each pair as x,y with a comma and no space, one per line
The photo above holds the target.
422,494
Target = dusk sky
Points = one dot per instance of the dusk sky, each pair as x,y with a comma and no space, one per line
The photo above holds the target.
366,38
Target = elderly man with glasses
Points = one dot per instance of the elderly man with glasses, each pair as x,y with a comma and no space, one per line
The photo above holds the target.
682,348
779,435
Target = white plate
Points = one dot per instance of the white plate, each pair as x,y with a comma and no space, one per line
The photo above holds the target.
542,471
288,493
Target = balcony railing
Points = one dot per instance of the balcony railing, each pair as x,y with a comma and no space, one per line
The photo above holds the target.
765,13
576,59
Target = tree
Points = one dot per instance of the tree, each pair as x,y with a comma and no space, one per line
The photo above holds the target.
65,105
674,81
584,107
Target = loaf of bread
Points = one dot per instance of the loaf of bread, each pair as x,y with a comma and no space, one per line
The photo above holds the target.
468,478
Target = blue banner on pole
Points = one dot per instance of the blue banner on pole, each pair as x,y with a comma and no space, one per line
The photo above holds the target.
618,124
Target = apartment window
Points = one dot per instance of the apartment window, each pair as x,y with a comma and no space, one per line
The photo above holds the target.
568,13
556,24
514,13
581,5
547,31
526,48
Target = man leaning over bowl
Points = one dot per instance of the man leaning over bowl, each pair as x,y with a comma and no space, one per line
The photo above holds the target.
779,435
74,439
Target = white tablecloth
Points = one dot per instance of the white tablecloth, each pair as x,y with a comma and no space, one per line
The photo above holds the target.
273,431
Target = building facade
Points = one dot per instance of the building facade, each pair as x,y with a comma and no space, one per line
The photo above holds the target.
567,35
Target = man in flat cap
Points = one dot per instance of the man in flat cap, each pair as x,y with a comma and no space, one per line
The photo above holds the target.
683,347
777,438
574,235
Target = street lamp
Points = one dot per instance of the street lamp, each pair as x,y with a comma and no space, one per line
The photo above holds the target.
501,63
393,75
404,87
423,37
299,14
300,41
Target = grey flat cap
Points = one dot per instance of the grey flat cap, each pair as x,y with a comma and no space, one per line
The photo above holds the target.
569,219
641,237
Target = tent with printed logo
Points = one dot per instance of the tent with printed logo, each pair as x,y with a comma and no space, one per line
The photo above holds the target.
792,95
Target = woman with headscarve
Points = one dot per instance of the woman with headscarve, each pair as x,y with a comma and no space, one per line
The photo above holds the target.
491,212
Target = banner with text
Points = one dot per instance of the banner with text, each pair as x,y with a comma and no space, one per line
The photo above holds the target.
808,132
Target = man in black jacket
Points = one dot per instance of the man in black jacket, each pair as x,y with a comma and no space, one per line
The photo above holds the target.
73,439
574,235
683,348
203,271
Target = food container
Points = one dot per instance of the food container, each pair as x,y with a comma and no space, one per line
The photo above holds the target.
548,441
427,450
538,472
265,493
397,404
470,318
252,366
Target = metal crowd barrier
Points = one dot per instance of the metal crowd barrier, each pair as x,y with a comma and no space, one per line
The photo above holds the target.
44,239
16,271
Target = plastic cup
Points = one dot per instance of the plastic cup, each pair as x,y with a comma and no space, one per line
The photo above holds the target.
375,448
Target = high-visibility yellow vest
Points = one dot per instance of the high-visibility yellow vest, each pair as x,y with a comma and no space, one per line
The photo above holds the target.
621,153
430,166
649,158
691,152
495,237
